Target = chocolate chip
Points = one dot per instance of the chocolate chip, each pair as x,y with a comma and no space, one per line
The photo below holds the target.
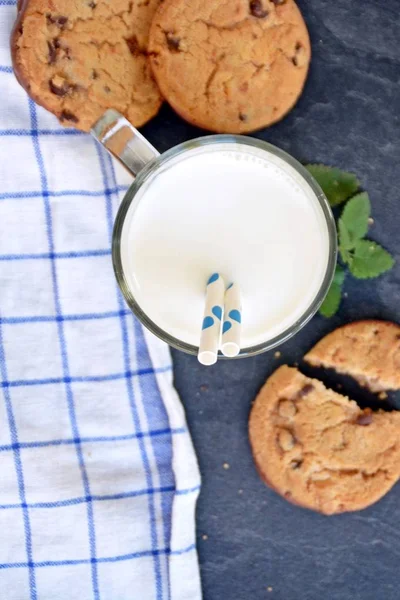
59,21
242,117
257,9
305,390
60,86
133,46
107,89
365,419
295,464
68,116
94,74
58,91
53,46
92,5
300,58
173,42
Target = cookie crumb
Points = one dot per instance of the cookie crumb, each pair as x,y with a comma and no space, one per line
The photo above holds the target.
226,466
371,221
269,589
240,491
204,388
277,354
204,537
383,396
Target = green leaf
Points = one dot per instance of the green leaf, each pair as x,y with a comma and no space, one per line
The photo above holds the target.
337,185
332,300
339,275
345,241
370,260
355,216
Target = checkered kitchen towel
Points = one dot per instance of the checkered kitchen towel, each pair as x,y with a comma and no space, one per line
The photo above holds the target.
98,478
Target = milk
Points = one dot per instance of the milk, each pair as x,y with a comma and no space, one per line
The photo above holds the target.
232,209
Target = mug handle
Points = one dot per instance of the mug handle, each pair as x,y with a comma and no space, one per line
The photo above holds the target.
123,141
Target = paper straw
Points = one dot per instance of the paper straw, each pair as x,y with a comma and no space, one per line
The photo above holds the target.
212,321
231,329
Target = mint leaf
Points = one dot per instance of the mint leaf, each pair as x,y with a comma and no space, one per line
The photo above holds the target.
355,216
345,241
369,260
331,303
339,275
337,185
332,300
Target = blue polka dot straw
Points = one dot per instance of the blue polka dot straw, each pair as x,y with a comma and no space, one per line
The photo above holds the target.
212,320
231,328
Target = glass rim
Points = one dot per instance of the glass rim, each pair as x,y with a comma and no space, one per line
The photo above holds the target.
149,170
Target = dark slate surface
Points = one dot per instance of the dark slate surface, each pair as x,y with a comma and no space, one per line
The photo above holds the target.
348,116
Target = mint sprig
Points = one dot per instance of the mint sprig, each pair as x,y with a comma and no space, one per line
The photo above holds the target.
337,185
364,258
369,260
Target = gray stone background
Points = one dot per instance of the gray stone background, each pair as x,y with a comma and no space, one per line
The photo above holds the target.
348,116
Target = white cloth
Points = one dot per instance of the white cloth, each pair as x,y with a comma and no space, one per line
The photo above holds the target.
98,477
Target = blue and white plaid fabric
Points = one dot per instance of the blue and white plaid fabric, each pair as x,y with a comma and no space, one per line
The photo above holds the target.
98,478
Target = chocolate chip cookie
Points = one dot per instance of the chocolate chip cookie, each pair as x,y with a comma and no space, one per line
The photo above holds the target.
230,65
79,58
369,351
318,449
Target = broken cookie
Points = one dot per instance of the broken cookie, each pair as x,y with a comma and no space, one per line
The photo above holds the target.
320,450
368,351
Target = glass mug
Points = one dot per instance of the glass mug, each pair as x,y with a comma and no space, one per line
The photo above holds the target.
181,208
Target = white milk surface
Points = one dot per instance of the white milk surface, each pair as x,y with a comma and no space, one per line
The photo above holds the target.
232,209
